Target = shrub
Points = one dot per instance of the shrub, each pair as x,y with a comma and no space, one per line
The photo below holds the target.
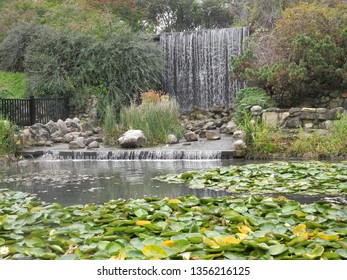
13,48
51,62
73,65
156,120
8,138
303,57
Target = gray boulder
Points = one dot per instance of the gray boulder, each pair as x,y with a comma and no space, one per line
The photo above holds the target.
212,135
93,145
230,127
191,136
172,139
132,139
78,143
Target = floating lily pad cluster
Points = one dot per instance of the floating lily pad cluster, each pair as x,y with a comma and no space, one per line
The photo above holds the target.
276,177
182,228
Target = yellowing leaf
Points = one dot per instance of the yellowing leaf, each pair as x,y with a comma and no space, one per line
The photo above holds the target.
168,243
121,256
154,251
142,223
241,235
175,201
328,237
35,209
220,241
231,240
244,229
210,243
300,214
300,230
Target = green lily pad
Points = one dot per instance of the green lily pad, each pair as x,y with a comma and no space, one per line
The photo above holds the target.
277,249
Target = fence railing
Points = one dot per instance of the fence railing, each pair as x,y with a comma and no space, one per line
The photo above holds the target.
24,112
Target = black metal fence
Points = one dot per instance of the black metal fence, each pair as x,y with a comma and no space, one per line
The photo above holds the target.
29,111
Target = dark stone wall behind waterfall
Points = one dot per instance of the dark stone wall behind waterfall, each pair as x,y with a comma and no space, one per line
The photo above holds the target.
197,66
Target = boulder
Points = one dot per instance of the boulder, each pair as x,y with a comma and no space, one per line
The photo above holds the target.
239,135
294,122
132,139
256,109
171,139
39,132
69,137
240,145
230,127
212,135
62,127
191,136
73,125
78,143
93,145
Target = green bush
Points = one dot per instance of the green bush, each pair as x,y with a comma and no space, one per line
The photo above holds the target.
13,48
116,69
248,97
304,57
8,138
155,119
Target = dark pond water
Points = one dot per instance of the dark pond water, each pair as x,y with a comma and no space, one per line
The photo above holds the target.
81,182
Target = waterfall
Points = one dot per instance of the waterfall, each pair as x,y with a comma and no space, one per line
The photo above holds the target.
197,66
138,155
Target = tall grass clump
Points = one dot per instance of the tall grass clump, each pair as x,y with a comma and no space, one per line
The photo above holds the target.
263,141
315,145
7,138
155,119
247,98
112,130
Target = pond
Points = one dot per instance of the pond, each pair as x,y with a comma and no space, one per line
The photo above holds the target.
71,182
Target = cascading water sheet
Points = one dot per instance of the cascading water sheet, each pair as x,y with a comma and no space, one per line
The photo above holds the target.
197,66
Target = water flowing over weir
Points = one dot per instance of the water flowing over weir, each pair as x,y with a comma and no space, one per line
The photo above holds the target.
197,66
139,155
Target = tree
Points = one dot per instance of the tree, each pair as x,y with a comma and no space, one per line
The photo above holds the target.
186,15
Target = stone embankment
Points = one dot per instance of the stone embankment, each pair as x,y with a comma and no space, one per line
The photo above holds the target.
306,118
76,134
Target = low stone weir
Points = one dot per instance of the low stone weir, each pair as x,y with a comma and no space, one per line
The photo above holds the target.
132,155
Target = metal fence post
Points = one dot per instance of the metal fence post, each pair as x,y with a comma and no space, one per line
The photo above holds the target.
32,110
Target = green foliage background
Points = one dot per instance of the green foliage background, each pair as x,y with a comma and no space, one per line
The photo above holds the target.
304,56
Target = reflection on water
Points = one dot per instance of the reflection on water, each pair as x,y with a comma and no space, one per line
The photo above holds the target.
81,182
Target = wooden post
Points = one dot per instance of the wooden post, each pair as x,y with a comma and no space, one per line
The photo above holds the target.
32,110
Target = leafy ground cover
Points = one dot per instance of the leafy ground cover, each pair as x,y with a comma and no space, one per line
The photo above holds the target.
182,228
275,177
